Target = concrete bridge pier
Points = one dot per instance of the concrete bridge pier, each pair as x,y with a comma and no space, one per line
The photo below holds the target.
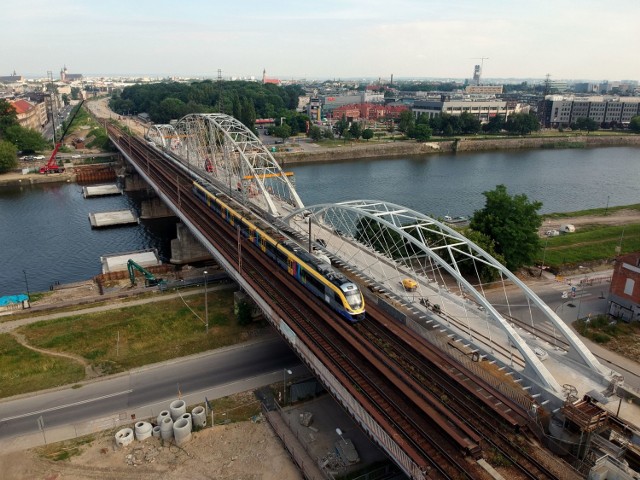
154,208
186,248
133,182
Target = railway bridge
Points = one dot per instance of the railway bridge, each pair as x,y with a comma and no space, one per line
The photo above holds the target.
441,319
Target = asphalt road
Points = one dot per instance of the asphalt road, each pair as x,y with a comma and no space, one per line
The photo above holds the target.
147,386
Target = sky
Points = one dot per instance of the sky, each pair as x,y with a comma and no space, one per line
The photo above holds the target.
567,39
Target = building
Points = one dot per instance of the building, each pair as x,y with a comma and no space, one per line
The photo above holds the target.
624,294
30,115
560,111
13,78
483,89
483,110
367,111
265,79
314,110
331,102
69,77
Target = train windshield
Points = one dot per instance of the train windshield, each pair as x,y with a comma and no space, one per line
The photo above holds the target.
352,294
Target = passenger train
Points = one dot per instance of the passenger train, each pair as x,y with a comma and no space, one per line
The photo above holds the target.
315,275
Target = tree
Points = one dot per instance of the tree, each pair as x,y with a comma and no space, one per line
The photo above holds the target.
495,125
8,116
512,222
355,130
283,131
522,123
406,122
634,124
422,133
8,156
469,123
584,123
341,126
367,134
315,133
25,139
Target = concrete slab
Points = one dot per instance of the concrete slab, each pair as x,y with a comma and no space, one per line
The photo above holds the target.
101,190
111,219
118,262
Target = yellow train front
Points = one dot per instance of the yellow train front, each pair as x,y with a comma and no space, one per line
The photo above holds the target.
318,277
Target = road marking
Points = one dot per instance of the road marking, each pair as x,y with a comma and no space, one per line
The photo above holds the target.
60,407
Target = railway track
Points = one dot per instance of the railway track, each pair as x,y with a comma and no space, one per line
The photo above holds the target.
433,436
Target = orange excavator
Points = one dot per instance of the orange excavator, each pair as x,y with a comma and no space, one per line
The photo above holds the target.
52,165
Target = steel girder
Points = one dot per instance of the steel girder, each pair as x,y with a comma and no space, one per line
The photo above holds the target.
226,151
404,240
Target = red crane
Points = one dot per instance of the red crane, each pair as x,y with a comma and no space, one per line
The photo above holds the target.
52,164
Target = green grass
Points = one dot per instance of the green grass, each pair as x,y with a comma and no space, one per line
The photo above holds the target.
590,244
115,341
22,370
129,337
620,337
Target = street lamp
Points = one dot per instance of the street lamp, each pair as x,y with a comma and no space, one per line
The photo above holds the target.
339,432
284,385
206,303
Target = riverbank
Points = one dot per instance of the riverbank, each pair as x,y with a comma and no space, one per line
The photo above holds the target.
364,150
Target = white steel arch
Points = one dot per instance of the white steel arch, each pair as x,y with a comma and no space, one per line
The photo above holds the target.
389,242
228,153
164,136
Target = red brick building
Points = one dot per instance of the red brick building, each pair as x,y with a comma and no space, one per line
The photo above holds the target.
624,295
367,111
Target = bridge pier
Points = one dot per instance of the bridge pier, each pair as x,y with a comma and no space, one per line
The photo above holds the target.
155,208
186,248
134,182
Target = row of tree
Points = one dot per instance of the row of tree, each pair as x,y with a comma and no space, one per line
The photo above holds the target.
246,101
15,138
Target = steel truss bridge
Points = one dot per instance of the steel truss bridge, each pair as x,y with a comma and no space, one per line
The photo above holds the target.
459,289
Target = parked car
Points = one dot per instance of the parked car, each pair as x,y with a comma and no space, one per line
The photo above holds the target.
39,157
552,233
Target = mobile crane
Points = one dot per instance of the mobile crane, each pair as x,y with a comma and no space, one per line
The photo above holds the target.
149,279
52,165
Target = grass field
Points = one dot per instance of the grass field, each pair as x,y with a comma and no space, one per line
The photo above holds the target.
590,244
593,211
116,340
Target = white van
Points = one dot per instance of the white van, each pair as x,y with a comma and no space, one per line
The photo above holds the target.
568,228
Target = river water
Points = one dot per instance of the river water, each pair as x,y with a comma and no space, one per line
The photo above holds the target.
45,231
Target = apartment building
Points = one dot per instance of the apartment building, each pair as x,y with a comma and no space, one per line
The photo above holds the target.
562,111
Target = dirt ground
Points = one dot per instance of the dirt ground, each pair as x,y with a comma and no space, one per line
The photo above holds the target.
240,451
619,217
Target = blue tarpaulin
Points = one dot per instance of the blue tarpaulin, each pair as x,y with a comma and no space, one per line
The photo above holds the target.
9,299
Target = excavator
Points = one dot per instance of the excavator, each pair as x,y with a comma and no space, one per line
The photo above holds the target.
149,279
52,165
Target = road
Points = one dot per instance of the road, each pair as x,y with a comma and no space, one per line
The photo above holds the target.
146,391
589,299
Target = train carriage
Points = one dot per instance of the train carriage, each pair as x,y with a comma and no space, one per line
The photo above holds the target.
318,277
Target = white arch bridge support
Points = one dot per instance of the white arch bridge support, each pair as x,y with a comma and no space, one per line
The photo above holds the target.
389,243
223,150
163,136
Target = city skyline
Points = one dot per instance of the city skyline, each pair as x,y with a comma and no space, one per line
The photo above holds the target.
335,39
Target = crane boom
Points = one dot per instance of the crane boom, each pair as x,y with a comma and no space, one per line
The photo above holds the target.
52,164
149,279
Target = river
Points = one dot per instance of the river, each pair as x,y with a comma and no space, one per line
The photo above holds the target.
46,234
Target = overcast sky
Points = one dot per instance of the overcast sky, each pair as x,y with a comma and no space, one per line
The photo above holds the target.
577,39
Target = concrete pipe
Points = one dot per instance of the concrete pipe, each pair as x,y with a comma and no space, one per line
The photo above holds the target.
124,437
166,428
156,431
182,431
178,408
199,417
161,415
143,430
187,417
